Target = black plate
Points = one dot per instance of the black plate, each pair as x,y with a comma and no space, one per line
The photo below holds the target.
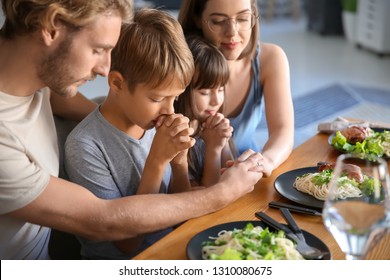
194,246
330,138
284,186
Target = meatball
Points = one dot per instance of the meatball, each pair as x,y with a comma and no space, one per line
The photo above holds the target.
356,133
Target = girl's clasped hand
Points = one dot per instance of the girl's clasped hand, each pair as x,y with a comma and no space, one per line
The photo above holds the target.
216,131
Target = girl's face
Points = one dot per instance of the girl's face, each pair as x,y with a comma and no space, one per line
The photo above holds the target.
227,24
208,102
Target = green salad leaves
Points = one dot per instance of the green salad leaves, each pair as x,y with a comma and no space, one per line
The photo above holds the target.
377,144
367,187
249,243
322,178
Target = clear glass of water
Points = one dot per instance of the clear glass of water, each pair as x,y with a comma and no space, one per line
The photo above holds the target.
357,208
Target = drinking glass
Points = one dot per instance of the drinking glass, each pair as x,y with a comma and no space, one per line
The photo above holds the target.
358,217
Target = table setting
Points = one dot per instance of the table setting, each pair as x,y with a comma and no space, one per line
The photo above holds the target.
314,225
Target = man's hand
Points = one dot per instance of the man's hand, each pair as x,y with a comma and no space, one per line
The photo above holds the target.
242,175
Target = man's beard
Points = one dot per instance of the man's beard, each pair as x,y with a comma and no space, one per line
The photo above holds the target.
54,70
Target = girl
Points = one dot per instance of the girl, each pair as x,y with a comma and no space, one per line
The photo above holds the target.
201,103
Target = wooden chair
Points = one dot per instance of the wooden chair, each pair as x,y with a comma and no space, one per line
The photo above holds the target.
63,245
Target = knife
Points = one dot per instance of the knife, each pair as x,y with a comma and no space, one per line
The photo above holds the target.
276,225
295,208
291,223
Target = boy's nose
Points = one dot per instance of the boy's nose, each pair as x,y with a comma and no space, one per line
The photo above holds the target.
168,109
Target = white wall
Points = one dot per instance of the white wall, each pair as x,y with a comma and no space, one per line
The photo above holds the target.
96,88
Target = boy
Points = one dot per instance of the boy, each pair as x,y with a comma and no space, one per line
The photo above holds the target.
125,146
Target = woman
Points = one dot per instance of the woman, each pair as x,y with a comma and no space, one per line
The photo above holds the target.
259,73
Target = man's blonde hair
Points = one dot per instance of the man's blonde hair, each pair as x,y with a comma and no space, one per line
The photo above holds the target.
26,16
152,50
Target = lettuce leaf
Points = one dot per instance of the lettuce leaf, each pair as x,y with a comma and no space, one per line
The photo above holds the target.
372,145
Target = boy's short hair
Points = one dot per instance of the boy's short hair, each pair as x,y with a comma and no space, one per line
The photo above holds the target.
26,16
153,50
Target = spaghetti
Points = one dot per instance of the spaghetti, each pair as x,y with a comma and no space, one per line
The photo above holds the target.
250,243
312,184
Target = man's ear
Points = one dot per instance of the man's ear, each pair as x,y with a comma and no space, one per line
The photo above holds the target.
52,29
116,81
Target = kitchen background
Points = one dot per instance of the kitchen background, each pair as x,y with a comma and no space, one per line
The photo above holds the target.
318,56
331,45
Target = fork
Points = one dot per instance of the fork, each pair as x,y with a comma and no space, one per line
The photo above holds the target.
292,224
307,251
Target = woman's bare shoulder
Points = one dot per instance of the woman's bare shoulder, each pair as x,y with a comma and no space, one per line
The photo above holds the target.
272,57
270,52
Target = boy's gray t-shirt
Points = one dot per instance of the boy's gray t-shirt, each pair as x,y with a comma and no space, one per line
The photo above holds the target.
110,164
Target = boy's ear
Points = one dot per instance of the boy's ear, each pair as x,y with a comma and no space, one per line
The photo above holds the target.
116,81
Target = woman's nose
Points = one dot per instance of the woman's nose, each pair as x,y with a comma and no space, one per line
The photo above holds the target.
231,28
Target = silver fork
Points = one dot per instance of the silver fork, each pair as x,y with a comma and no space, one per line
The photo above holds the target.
307,251
295,228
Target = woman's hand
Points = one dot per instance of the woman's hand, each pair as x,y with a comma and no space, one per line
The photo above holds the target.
260,163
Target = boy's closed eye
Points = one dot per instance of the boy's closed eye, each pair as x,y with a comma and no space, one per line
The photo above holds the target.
167,98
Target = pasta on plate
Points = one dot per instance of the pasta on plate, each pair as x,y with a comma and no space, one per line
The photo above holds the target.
250,243
352,184
307,184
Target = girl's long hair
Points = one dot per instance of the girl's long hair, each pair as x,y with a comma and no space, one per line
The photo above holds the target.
211,71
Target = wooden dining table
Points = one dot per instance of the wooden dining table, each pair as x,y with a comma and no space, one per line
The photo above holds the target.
316,149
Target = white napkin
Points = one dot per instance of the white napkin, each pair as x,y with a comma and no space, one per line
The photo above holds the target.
340,123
